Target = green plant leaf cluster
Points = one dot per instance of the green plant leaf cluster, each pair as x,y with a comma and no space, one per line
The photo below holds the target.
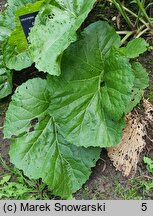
44,153
16,55
10,58
10,190
54,30
15,46
58,23
15,186
63,121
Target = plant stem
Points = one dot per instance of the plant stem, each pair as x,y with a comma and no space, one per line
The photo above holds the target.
122,32
142,32
132,13
135,15
141,27
139,15
126,36
119,6
148,5
143,11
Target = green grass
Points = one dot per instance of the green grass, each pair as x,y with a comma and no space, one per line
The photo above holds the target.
14,185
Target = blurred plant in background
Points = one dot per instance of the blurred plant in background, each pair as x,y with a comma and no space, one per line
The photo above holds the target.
138,16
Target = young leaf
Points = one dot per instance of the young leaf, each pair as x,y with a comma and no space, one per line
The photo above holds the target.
55,28
91,95
141,82
39,149
135,48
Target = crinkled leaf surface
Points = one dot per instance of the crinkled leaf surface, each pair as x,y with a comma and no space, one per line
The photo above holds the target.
141,82
91,95
55,28
5,79
15,60
4,33
39,149
135,47
16,53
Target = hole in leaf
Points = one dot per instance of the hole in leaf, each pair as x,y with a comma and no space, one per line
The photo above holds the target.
31,129
13,136
34,121
51,16
102,84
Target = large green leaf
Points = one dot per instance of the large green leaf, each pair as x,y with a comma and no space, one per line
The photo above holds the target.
55,28
5,79
39,149
16,53
91,95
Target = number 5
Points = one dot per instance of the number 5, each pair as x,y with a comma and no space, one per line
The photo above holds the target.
144,207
